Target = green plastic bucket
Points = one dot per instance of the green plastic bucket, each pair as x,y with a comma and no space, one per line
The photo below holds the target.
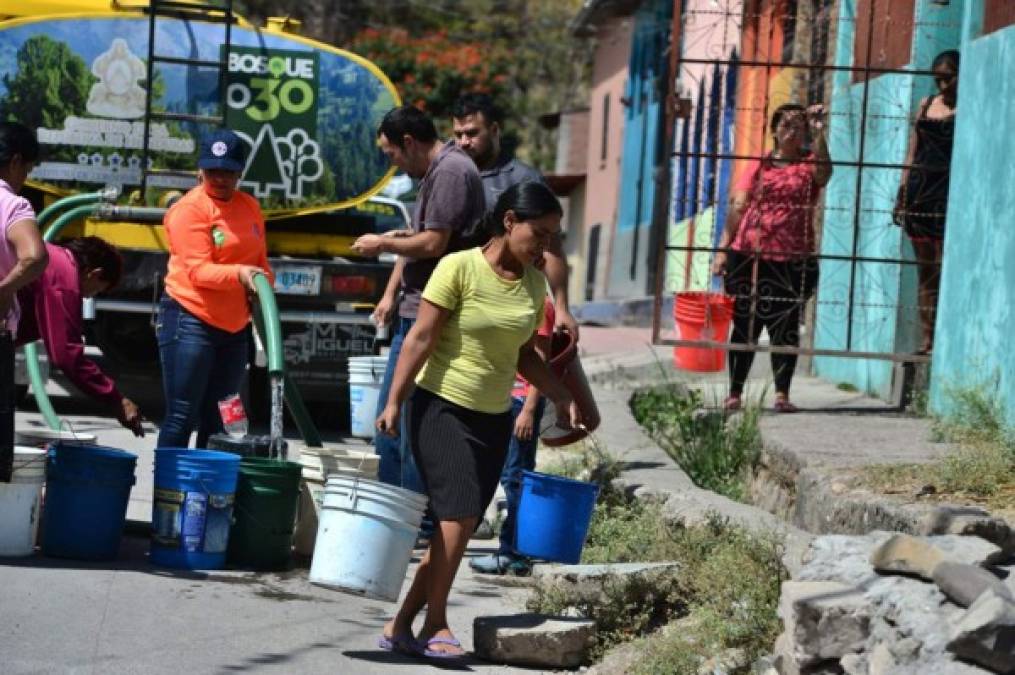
267,495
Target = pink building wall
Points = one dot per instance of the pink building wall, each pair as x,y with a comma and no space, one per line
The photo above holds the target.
609,76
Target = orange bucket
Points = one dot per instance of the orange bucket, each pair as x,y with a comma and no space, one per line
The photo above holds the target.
702,316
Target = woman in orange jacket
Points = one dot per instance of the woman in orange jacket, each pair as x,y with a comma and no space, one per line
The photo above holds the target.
216,248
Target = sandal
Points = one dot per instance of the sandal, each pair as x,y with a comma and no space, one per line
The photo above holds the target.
403,643
732,403
440,654
782,405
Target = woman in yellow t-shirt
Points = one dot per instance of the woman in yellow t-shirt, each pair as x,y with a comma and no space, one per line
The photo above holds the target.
476,327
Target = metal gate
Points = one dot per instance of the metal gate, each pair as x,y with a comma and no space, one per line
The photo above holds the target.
842,279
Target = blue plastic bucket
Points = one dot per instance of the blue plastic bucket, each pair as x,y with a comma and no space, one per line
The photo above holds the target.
87,490
553,517
193,507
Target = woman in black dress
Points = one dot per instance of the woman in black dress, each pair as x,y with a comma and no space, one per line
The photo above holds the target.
922,202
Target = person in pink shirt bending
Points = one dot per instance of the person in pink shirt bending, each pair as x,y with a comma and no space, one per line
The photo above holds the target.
768,261
51,311
22,252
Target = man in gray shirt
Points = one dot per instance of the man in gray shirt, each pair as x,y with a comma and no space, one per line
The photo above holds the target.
476,125
450,199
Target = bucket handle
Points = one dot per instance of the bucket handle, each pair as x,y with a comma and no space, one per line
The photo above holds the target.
64,422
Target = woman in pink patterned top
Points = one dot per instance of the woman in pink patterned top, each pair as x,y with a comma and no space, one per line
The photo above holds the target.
768,266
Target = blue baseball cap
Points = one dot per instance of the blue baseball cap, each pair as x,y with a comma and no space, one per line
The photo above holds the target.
222,149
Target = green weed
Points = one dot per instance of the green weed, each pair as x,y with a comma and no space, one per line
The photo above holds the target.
716,452
727,578
982,466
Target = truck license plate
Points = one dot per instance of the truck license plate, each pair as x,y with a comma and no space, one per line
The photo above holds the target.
298,279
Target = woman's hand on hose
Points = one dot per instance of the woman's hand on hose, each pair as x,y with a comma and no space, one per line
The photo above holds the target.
387,423
246,274
719,264
129,415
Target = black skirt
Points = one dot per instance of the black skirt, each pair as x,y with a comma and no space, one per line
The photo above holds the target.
459,453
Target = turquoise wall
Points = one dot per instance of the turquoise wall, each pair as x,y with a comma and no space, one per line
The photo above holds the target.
642,117
883,295
976,315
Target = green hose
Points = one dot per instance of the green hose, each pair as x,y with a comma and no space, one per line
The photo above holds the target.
64,219
39,387
269,327
50,211
83,205
273,335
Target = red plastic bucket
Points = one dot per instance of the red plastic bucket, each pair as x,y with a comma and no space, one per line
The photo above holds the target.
566,365
702,316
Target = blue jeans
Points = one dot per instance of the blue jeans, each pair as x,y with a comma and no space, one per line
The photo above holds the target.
201,365
396,466
521,456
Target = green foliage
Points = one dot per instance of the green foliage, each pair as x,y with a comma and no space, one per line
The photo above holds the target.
51,83
527,57
727,579
716,452
975,417
623,607
431,70
982,466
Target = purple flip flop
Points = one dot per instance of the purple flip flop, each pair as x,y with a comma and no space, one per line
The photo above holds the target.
437,654
401,644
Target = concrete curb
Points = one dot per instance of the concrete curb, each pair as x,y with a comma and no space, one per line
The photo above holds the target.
649,473
825,500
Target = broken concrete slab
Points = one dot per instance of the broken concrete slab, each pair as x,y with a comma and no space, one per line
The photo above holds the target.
970,521
823,620
971,550
905,554
986,633
534,640
964,583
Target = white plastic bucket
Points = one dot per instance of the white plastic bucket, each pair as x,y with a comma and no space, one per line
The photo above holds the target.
364,484
365,539
312,491
319,463
366,373
20,502
40,438
308,516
